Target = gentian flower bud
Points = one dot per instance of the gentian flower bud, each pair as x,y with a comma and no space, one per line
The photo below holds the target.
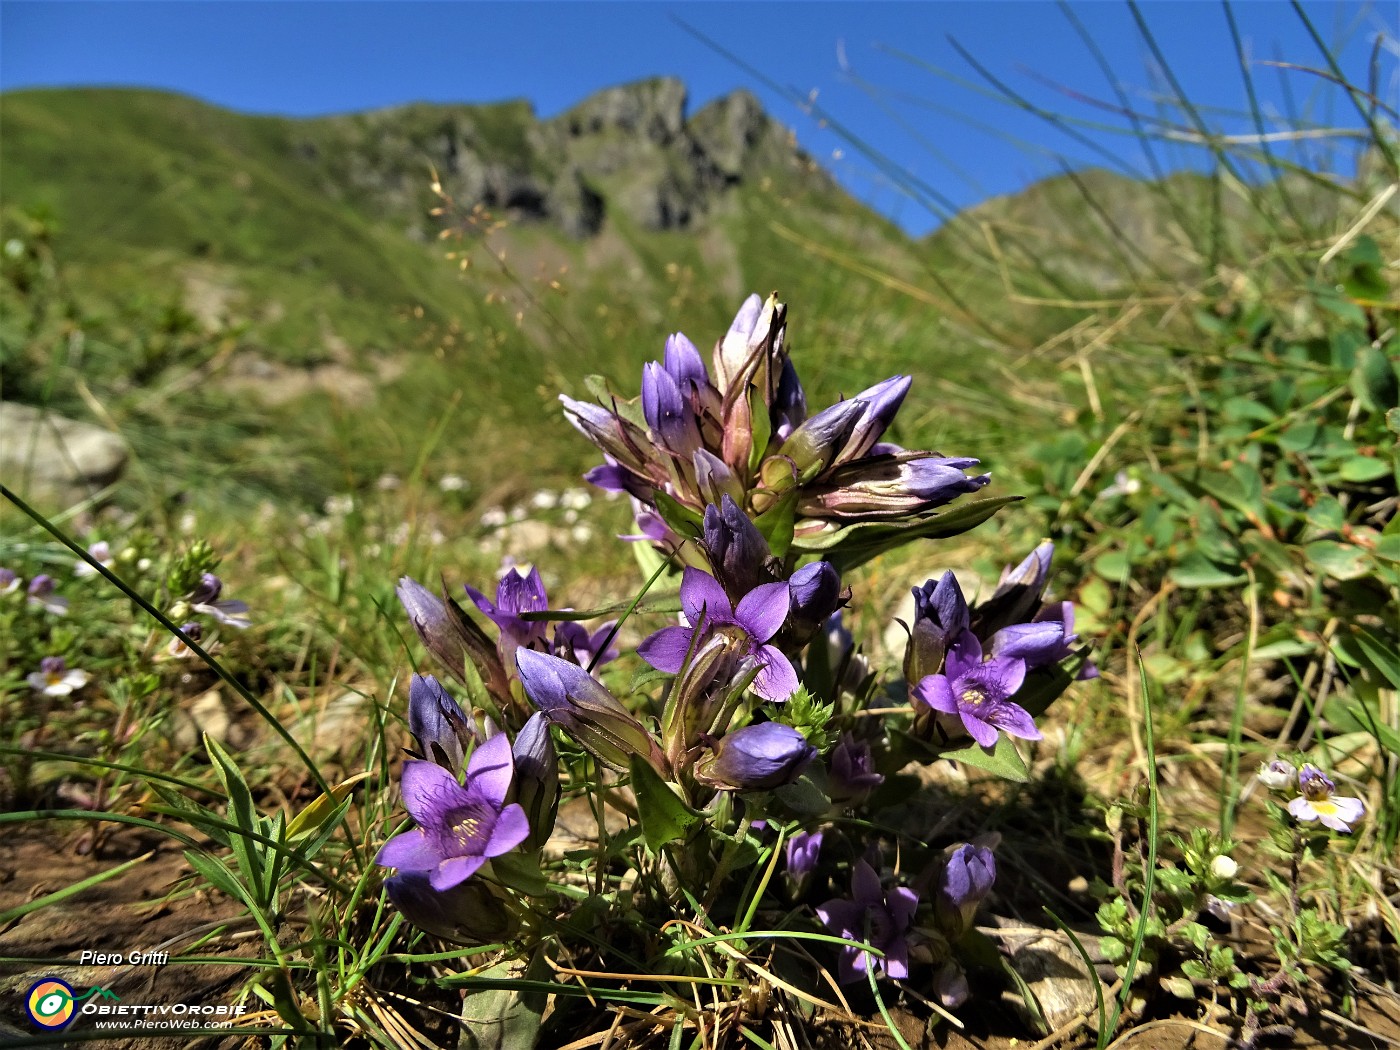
881,403
578,703
470,912
890,486
668,413
816,594
451,636
801,854
789,404
536,785
716,483
967,878
437,723
736,549
1018,594
851,775
684,364
815,444
940,616
757,758
950,985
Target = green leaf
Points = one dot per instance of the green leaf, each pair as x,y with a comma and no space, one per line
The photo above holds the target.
1374,381
1361,469
664,817
665,602
856,544
506,1018
1002,759
683,521
776,524
319,812
1341,561
521,872
760,427
804,796
241,811
1392,420
602,393
1196,572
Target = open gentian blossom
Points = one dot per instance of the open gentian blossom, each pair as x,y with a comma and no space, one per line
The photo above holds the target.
1318,801
55,678
759,615
875,918
461,826
978,693
516,593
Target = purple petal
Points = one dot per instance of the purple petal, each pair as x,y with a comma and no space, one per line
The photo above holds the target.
997,679
430,792
512,828
454,872
865,886
667,648
762,611
903,903
964,655
490,769
702,595
897,959
411,851
937,692
778,679
1036,643
846,918
979,730
1016,721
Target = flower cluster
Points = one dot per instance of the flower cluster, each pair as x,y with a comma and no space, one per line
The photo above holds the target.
743,431
759,712
1316,797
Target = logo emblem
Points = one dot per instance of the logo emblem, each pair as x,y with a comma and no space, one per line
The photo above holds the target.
50,1003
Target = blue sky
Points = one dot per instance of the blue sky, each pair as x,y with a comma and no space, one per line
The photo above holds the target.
886,71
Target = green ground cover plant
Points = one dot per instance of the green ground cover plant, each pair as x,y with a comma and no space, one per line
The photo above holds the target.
724,784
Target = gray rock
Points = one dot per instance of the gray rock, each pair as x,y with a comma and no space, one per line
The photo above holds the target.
52,460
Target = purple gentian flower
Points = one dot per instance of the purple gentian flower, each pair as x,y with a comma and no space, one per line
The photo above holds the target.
536,777
437,723
875,918
41,595
891,485
573,641
816,594
950,985
54,678
461,826
851,774
801,854
967,878
760,615
205,599
757,758
516,593
979,693
580,705
1318,802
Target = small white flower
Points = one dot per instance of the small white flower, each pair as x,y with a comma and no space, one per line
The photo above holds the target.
493,518
100,552
544,500
9,582
575,499
54,678
1277,775
1317,802
517,513
387,482
581,533
339,506
452,483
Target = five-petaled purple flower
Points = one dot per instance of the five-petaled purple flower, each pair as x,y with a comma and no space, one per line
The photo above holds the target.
461,826
760,615
516,593
875,918
979,693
